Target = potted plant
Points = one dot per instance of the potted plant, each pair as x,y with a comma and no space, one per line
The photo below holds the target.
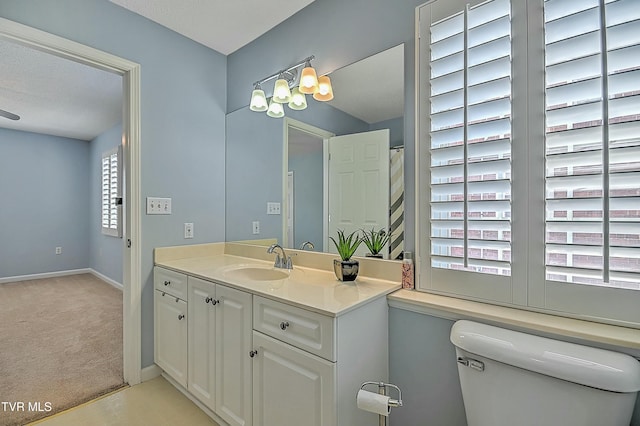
345,268
375,241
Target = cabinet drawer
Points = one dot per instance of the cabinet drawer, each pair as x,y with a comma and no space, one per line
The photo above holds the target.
306,330
173,283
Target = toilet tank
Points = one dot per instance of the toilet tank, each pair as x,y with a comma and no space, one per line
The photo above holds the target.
510,378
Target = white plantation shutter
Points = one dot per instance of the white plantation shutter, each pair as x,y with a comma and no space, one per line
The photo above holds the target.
470,133
528,154
593,142
111,184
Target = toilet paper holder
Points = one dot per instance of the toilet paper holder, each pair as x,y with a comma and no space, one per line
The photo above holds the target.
382,390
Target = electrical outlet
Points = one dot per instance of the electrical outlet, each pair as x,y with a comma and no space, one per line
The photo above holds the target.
156,205
256,227
58,250
188,230
273,208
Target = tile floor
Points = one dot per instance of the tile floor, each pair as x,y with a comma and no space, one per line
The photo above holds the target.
155,402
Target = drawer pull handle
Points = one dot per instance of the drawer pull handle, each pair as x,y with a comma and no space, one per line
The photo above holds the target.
181,316
284,325
253,353
167,282
163,294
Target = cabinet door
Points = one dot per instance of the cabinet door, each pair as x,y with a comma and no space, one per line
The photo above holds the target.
233,364
291,387
202,340
171,336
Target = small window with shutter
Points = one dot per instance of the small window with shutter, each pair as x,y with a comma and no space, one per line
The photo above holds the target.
111,193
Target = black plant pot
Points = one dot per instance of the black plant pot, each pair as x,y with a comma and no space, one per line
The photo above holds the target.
346,270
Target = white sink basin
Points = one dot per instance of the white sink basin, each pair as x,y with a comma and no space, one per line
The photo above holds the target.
257,273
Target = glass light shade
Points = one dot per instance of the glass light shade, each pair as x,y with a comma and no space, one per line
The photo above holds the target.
308,80
298,100
276,110
281,92
258,101
325,91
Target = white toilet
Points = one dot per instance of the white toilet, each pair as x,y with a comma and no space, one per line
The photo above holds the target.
516,379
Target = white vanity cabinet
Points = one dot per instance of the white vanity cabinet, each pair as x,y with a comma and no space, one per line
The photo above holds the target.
308,367
170,320
255,360
219,366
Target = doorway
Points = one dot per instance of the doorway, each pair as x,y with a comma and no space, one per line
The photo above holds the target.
130,72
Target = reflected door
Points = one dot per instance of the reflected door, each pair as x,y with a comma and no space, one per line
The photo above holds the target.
358,183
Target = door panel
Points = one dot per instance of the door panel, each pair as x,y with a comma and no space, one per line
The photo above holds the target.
358,183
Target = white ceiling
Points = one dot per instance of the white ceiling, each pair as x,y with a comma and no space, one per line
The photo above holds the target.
223,25
371,89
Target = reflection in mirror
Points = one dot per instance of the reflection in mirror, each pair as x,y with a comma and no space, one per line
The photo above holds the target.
353,181
257,167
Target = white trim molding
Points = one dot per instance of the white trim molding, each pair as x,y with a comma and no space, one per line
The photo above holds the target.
130,71
43,275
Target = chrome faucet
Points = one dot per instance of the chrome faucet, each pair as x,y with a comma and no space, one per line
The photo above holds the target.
283,261
307,244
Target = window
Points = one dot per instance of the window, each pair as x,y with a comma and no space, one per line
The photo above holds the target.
111,201
529,154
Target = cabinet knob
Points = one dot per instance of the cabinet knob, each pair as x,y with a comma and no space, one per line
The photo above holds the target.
207,300
214,302
167,282
181,316
253,353
284,325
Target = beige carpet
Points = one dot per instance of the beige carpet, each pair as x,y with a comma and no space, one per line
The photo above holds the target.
60,345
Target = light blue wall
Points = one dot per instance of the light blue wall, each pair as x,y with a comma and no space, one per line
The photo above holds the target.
308,197
396,130
44,188
183,104
254,164
423,364
105,252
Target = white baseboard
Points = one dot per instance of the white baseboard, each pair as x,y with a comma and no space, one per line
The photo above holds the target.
45,275
150,372
106,279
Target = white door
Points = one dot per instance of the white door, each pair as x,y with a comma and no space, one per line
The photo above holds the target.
291,387
171,335
358,183
202,340
233,364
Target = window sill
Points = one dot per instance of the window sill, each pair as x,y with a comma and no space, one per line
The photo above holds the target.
554,326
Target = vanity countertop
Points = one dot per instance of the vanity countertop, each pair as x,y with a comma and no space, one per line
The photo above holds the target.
313,289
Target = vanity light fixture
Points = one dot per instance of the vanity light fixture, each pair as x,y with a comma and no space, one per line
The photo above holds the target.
298,100
276,109
282,90
258,100
308,79
325,91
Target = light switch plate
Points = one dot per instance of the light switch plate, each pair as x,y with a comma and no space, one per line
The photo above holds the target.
256,227
156,205
188,230
273,208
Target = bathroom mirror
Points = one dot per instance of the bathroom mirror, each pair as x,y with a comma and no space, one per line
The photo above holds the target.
285,161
